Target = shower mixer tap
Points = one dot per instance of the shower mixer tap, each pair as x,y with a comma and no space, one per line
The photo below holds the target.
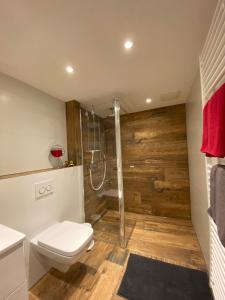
93,154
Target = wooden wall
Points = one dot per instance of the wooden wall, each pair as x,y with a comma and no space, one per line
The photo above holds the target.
155,161
74,145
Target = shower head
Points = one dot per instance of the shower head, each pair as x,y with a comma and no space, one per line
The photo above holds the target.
112,114
92,110
93,125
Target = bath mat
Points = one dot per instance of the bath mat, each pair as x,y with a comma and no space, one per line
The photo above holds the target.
148,279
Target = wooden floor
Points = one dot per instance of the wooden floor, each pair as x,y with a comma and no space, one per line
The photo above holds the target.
98,274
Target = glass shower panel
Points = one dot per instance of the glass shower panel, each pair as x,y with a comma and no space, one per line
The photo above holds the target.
103,178
119,174
93,164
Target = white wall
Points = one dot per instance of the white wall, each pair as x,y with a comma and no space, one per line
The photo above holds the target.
198,188
20,210
30,122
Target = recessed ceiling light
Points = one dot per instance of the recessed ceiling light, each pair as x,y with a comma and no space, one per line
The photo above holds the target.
128,44
148,100
69,69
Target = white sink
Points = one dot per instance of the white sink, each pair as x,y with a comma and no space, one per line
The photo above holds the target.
9,238
13,284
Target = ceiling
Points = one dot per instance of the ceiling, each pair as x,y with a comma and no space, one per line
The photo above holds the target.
40,38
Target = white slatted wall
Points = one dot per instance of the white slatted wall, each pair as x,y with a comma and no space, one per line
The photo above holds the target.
212,67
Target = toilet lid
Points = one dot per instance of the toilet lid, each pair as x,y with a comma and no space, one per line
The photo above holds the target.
66,238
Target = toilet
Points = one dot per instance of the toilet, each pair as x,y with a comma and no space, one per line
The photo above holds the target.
63,243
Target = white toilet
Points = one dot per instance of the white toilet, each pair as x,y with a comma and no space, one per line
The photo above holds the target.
63,243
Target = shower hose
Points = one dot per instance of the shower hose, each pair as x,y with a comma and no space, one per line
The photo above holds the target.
97,188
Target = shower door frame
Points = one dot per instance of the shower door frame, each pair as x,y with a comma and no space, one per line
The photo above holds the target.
119,173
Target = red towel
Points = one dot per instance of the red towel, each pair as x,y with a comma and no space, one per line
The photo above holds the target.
213,140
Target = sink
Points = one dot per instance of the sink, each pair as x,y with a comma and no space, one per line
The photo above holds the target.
9,238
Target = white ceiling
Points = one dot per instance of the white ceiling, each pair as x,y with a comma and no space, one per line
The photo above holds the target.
38,39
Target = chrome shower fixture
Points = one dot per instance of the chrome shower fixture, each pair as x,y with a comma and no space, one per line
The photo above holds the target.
93,124
92,154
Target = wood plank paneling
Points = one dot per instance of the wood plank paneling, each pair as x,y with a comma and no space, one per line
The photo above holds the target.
155,161
74,146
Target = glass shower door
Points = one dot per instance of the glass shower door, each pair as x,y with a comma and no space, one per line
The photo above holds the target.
103,175
119,173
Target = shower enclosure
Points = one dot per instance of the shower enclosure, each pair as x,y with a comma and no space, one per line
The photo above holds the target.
95,149
102,161
119,173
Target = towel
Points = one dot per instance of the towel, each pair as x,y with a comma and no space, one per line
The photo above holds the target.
213,139
217,199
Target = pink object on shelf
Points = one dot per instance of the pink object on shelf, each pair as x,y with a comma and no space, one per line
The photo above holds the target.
213,139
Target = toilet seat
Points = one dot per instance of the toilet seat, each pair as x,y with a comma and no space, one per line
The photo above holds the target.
66,238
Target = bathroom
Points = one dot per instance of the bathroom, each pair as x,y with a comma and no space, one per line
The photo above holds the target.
111,180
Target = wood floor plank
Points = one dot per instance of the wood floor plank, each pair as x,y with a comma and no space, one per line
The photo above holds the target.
181,240
32,297
109,278
80,279
118,255
97,255
117,297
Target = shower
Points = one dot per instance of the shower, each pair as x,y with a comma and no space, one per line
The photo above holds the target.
102,161
95,148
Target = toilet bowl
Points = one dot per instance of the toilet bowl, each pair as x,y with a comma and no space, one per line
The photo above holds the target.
62,244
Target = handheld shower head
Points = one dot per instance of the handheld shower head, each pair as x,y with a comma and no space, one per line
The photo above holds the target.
92,110
112,114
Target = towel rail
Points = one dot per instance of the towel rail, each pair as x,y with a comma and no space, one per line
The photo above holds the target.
212,59
208,42
217,82
215,51
212,69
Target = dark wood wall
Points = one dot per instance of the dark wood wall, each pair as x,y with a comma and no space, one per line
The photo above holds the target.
74,145
155,161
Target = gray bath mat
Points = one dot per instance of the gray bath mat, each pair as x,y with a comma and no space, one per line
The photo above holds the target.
148,279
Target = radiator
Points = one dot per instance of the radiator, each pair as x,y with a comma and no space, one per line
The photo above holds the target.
212,69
